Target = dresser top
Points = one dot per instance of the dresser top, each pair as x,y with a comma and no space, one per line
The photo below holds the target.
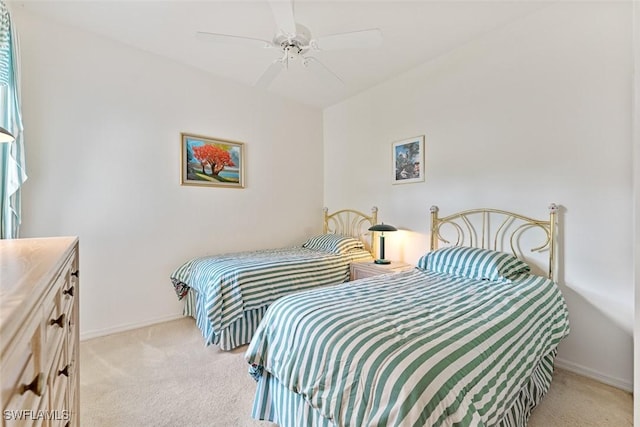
26,267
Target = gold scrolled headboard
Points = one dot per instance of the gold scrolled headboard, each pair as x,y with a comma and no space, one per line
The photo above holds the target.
497,230
349,222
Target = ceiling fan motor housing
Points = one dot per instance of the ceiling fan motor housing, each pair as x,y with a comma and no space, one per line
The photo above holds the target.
294,45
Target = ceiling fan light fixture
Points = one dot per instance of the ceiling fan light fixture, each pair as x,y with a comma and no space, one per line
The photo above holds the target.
292,52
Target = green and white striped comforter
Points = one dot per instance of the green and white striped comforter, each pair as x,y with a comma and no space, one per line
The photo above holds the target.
412,349
231,284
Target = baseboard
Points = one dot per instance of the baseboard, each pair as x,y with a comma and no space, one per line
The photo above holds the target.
590,373
87,335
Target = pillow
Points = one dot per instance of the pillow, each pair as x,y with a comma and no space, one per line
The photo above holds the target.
475,263
335,243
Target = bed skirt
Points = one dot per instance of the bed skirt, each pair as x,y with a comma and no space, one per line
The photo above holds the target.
276,403
235,335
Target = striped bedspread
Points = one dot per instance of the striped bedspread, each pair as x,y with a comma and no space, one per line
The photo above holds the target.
411,349
231,284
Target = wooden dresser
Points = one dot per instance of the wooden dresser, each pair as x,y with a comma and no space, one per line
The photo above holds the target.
39,361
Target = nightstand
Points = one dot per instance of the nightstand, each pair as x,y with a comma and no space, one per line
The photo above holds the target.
360,270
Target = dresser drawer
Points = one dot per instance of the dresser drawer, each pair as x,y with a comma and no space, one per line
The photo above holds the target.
59,379
69,287
23,381
54,325
27,396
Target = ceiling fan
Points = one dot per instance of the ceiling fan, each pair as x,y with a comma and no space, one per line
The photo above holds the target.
294,42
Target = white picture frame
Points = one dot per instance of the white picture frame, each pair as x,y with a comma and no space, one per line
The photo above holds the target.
408,160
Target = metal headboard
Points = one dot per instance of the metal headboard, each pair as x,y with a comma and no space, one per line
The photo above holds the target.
349,222
495,229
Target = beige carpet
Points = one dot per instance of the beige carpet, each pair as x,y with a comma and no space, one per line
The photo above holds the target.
163,375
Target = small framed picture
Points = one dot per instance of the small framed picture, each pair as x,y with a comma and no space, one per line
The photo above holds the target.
408,160
211,162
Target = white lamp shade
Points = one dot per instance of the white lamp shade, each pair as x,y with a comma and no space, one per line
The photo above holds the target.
5,136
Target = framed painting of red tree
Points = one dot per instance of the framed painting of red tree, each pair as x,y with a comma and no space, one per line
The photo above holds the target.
211,162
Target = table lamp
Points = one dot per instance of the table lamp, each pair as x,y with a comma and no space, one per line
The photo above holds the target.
382,228
5,136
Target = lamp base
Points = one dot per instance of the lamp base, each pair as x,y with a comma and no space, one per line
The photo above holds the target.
382,261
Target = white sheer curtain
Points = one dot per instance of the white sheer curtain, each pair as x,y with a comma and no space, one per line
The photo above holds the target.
12,165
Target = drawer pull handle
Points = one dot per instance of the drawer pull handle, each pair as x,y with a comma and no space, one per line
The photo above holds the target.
64,371
59,321
68,291
76,273
36,386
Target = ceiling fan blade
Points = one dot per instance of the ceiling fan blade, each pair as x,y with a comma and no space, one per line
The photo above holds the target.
238,40
353,39
321,70
283,14
270,74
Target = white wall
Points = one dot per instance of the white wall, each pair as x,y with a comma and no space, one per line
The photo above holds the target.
636,170
102,134
536,112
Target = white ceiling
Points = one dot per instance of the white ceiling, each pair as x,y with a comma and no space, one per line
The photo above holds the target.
413,32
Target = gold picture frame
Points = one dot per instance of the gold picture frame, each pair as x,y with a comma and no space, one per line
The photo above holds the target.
211,162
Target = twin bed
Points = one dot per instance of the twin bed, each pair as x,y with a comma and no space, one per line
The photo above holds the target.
228,294
467,338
